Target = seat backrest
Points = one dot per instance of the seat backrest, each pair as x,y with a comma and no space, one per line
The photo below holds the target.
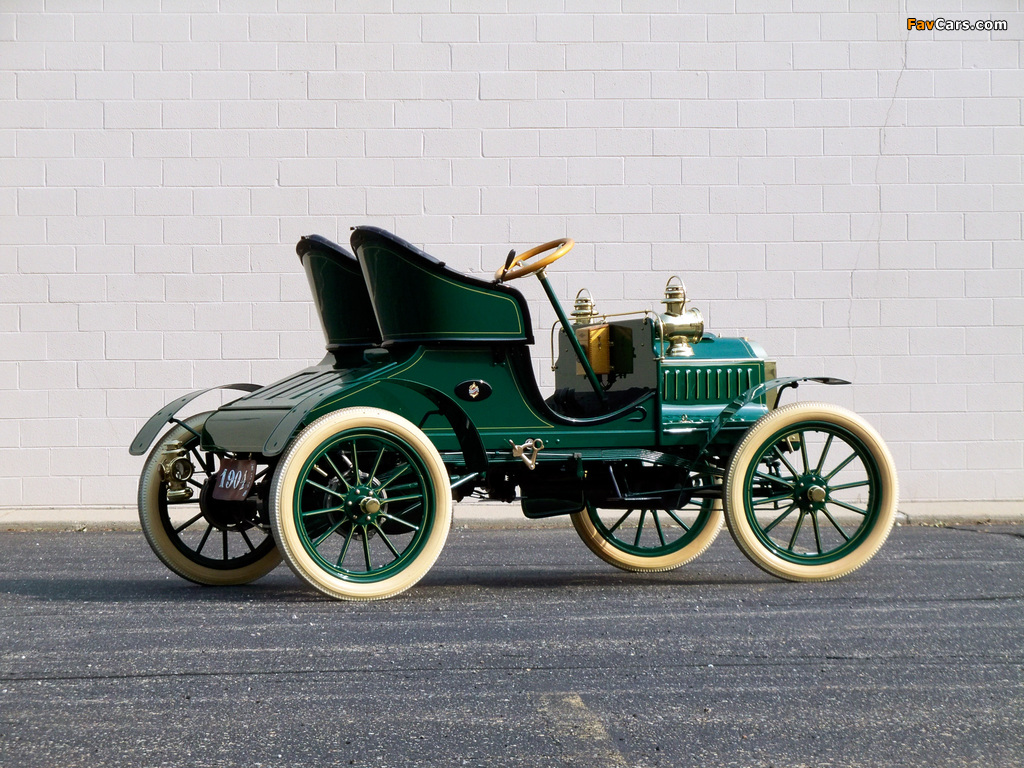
416,298
340,294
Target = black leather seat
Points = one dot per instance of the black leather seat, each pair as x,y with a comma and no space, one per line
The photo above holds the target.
416,298
340,294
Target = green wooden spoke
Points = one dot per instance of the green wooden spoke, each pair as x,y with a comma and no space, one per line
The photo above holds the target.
789,482
394,519
773,499
412,508
844,486
841,467
835,524
366,549
248,543
344,548
796,529
202,543
337,473
620,521
376,463
394,477
319,511
824,453
790,467
817,533
324,536
325,488
396,499
206,464
640,528
657,524
780,518
803,453
401,488
387,541
850,507
682,525
355,459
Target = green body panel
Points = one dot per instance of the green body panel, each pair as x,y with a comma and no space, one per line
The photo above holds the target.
457,323
265,421
421,383
694,390
417,299
507,414
421,387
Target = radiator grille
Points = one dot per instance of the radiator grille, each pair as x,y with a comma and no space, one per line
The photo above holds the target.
707,384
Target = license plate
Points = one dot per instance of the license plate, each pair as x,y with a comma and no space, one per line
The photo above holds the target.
234,480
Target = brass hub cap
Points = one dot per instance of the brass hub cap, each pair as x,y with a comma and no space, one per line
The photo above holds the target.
362,506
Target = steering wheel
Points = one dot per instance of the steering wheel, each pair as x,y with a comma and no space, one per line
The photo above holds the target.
515,266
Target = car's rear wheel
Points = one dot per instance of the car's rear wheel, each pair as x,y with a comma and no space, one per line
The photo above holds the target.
361,504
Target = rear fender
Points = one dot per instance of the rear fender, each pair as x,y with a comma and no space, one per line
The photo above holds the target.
156,422
267,424
469,439
472,445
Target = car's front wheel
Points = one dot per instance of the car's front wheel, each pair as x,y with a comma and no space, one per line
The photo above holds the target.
810,492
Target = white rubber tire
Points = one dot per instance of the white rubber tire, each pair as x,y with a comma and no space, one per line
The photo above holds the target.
282,512
735,513
627,561
150,488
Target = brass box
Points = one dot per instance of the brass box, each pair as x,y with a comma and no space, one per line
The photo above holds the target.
609,348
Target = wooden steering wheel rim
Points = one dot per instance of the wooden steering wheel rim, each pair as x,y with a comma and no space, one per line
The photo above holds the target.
518,269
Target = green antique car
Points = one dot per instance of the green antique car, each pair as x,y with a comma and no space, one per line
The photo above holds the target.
655,433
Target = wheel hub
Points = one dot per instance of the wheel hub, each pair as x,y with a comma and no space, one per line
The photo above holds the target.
228,515
810,492
361,506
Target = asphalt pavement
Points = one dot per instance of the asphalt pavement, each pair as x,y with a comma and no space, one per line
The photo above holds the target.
519,648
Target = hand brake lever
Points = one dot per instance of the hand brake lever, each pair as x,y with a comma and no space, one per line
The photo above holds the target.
508,262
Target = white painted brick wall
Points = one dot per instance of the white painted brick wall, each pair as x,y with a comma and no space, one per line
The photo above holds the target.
844,191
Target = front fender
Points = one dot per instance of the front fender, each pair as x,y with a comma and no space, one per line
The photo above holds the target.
755,392
152,428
